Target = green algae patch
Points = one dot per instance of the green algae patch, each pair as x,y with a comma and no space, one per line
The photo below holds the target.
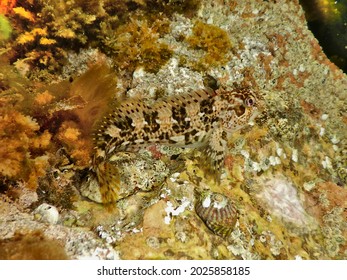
5,28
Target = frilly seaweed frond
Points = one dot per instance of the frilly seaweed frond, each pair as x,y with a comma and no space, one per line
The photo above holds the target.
22,149
46,31
37,123
136,44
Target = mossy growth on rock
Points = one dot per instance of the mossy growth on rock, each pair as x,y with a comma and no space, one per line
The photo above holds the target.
45,32
214,41
137,44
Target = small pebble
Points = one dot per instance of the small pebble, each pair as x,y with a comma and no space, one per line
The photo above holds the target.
47,214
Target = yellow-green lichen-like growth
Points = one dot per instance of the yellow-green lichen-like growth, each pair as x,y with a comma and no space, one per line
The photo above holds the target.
5,28
214,41
136,44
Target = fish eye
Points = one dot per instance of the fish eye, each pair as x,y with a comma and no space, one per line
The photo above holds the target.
250,101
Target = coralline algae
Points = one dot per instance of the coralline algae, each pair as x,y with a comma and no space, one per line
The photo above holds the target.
280,197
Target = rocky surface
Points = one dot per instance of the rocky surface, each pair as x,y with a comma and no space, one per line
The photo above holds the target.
285,175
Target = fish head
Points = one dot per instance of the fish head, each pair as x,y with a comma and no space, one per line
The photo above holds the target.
240,108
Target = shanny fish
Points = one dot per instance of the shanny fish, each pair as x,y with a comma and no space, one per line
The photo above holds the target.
199,119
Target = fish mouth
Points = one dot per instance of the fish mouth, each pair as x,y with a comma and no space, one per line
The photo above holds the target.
255,114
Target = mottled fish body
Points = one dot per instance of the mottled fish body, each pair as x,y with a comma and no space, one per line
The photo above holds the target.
201,118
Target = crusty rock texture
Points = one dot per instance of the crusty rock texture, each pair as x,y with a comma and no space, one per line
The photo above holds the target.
284,174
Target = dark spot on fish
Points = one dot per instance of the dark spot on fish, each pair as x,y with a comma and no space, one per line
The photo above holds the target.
166,135
186,124
220,153
214,119
132,137
151,118
180,114
129,121
193,132
187,137
206,106
176,128
120,125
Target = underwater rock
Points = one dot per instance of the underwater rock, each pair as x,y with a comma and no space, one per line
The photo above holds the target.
217,212
265,46
31,246
280,197
78,243
154,220
140,173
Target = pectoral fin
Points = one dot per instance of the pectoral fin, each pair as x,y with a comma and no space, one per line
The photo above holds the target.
213,154
109,181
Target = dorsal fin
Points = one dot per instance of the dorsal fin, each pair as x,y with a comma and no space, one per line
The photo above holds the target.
195,96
